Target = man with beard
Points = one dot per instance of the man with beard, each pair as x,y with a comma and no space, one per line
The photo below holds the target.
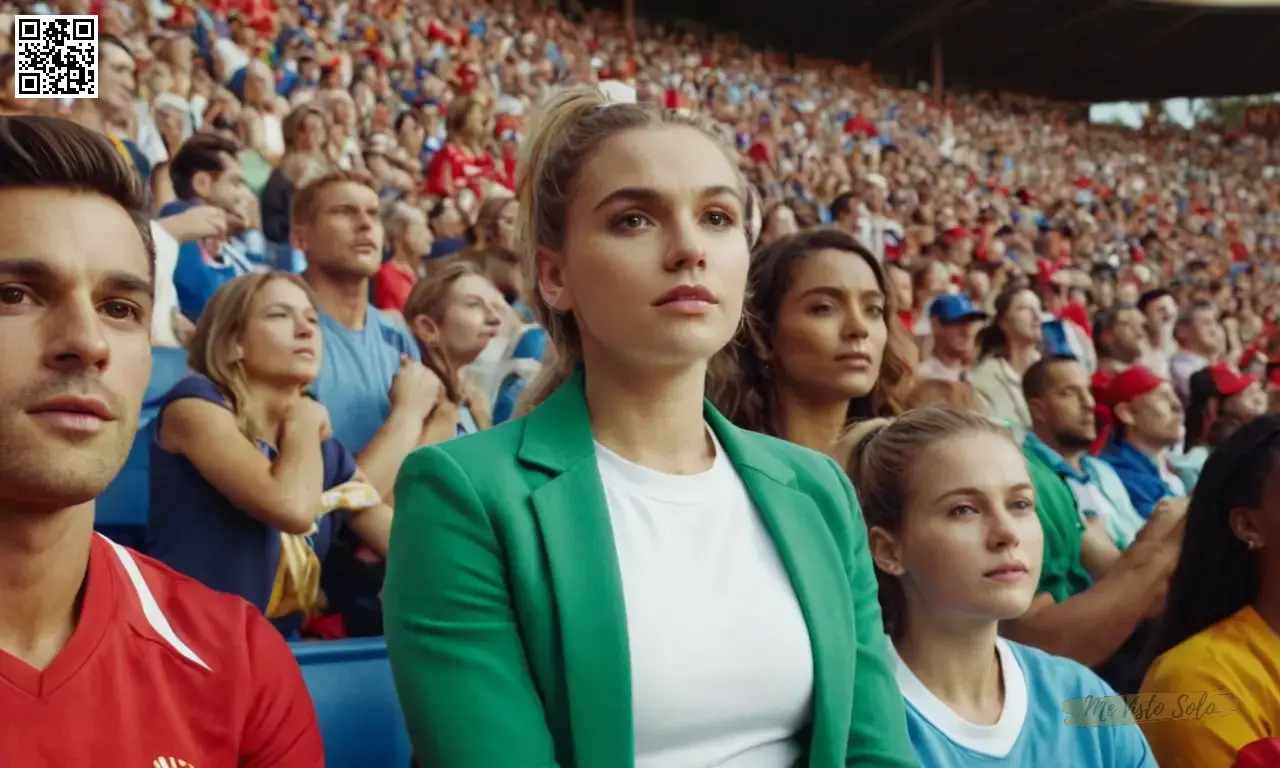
107,657
1063,428
1103,572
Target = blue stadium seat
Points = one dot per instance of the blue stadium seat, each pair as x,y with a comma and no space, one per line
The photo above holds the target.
355,697
121,511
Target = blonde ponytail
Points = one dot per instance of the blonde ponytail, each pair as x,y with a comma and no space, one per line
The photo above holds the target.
565,132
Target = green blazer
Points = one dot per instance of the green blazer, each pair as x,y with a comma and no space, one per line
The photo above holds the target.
504,610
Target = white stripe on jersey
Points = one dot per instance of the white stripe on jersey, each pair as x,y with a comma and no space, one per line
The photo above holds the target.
150,608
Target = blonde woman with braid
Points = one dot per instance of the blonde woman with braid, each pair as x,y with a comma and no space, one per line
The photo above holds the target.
622,577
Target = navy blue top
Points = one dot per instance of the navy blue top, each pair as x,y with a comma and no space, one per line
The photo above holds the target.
196,530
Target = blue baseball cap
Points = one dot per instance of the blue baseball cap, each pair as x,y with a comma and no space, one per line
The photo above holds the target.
955,308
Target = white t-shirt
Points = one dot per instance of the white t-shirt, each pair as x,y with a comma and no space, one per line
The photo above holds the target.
721,664
166,302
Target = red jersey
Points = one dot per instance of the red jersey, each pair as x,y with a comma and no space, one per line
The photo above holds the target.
160,671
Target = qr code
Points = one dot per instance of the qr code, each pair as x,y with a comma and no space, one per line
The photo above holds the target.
57,57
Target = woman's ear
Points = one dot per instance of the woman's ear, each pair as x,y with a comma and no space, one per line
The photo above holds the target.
551,280
1244,525
235,351
425,329
886,551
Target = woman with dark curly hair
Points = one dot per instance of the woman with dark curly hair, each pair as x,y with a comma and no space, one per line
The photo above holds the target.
820,346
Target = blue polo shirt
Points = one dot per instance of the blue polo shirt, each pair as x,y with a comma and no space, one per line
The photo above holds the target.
197,531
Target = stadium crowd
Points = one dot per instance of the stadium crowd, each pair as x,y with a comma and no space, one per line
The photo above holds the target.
991,400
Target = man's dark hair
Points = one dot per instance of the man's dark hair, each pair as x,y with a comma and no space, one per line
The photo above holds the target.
202,153
1104,322
1035,382
1151,296
104,40
43,152
843,202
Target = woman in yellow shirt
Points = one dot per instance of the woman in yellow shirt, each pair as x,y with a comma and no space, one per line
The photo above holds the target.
1214,686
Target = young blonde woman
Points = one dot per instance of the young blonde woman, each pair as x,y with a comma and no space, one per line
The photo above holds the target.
248,487
958,547
622,577
453,316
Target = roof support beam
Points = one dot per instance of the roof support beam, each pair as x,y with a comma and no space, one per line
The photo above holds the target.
926,19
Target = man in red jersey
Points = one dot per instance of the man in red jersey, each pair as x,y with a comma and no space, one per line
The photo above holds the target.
106,657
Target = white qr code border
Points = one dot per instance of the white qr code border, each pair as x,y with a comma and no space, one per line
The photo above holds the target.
34,51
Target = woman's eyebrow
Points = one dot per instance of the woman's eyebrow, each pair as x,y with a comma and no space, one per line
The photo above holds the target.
650,196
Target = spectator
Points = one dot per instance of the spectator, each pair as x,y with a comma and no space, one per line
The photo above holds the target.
955,324
1120,338
1200,343
964,534
305,135
1218,633
779,221
496,223
1160,307
818,348
252,456
1222,401
116,86
1145,422
465,162
1006,349
75,252
411,241
1062,430
602,273
205,171
452,316
379,396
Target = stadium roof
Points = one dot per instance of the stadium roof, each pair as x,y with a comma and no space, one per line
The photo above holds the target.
1077,50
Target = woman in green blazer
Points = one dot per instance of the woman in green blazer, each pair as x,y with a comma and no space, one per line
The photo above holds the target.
622,577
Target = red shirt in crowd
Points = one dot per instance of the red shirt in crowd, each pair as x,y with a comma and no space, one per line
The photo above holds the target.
160,670
456,168
392,284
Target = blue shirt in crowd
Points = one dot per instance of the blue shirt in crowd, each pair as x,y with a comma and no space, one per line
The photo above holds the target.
196,530
356,374
1032,729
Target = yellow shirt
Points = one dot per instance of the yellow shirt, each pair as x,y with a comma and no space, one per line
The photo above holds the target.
1240,656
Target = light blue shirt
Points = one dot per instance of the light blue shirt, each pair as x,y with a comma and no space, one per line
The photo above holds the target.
1031,732
356,375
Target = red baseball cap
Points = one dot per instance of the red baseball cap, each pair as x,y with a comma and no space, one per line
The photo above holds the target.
1229,381
1129,385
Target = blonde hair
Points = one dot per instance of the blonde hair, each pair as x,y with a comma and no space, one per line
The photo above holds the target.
221,323
430,297
564,134
880,457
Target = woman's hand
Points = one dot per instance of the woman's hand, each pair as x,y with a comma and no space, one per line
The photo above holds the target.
309,416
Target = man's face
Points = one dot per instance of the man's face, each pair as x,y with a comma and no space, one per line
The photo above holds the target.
1065,411
1162,312
345,234
75,312
1128,334
1156,417
1203,333
116,72
222,189
957,339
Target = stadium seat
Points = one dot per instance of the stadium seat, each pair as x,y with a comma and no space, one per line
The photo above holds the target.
355,697
121,511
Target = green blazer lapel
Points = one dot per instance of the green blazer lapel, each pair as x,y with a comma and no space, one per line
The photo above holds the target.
814,565
573,516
